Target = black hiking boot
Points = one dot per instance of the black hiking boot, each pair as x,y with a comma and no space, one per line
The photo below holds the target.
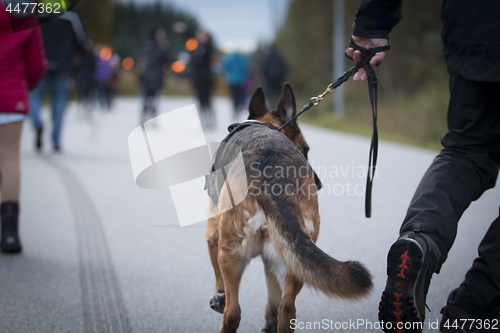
410,263
9,238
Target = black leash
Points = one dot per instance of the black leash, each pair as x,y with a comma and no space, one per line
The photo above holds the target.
366,56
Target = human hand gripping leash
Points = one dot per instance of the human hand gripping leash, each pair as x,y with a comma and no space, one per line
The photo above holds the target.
366,56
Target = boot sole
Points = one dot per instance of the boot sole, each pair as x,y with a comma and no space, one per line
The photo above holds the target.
13,249
397,309
10,247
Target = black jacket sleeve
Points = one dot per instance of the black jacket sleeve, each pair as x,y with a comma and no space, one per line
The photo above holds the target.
376,18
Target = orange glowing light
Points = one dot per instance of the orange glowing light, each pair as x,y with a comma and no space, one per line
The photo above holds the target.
106,53
178,66
128,63
191,44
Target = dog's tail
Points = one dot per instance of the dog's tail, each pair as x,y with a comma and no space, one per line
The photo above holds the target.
304,259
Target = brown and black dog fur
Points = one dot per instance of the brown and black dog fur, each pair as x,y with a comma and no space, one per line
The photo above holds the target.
282,228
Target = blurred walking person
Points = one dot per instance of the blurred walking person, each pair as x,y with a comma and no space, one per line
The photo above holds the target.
102,75
249,85
63,37
154,56
85,78
201,62
274,69
22,66
113,80
235,66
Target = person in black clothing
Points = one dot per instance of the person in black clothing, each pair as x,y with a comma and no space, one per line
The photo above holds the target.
467,166
201,67
63,37
85,77
274,69
154,56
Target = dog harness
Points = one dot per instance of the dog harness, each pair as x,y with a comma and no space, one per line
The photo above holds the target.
215,181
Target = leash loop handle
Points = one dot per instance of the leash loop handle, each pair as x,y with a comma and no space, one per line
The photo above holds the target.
366,56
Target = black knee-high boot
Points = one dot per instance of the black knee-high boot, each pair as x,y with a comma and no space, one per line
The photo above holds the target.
9,242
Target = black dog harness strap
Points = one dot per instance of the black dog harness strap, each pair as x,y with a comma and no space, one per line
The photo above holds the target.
214,185
213,182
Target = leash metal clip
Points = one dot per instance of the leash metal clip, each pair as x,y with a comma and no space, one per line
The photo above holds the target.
316,100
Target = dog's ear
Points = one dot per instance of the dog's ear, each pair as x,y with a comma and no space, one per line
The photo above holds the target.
257,106
286,108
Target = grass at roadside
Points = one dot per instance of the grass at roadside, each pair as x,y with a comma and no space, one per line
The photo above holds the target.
419,119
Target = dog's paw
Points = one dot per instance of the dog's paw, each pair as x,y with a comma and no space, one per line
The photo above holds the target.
218,302
271,326
270,329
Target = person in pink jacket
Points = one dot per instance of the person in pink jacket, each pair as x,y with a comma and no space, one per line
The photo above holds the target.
22,66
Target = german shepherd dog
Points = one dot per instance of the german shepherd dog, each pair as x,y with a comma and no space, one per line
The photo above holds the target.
279,221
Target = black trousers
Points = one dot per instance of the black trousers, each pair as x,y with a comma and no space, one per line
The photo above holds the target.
273,92
238,97
466,167
203,88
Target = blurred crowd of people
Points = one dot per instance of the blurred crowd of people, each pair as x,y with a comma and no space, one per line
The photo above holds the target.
240,76
73,61
239,72
59,58
95,72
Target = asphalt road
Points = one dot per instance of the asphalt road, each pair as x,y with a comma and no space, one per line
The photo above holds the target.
103,255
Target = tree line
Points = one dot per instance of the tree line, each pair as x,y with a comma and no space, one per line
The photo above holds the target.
306,38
